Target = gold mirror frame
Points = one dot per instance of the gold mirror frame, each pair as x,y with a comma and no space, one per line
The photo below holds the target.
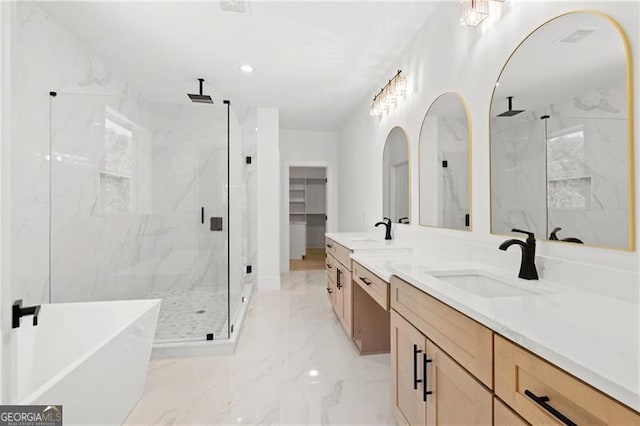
406,138
470,177
630,145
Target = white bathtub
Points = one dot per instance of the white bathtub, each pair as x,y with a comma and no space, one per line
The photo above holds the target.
90,357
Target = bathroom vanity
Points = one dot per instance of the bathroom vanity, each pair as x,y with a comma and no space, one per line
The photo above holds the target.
360,296
473,344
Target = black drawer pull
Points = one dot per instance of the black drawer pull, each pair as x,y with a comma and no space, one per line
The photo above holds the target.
425,392
416,351
329,246
329,266
338,274
542,401
329,290
366,281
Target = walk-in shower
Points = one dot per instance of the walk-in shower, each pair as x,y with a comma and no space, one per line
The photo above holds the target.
139,208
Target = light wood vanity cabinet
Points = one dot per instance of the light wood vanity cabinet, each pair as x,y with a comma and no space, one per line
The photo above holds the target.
370,311
467,341
339,285
431,388
522,377
466,361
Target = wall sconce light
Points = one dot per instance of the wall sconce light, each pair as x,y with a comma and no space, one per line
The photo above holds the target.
475,11
389,95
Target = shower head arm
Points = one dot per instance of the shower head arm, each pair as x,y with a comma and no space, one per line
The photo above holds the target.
201,80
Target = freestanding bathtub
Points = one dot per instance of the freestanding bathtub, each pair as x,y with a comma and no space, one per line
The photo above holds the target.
90,357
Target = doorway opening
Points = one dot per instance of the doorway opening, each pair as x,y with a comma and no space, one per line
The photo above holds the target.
307,217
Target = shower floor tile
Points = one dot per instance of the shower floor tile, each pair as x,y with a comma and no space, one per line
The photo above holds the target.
191,314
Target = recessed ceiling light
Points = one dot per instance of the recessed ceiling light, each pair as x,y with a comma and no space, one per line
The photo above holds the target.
246,68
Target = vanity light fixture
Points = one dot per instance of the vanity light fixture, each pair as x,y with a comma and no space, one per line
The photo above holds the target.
389,95
474,12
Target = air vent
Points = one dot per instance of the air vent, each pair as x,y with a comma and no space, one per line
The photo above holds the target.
576,35
237,6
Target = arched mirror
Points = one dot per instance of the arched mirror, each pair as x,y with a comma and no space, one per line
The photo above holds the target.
396,192
561,135
445,164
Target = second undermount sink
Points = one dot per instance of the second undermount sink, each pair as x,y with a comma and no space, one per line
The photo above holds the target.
482,284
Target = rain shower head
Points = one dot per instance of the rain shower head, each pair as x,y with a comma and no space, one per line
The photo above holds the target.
200,98
510,112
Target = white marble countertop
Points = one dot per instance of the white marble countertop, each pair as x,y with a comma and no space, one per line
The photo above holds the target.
594,337
365,241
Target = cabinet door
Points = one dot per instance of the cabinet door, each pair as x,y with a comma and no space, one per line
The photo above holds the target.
338,295
407,349
456,398
347,295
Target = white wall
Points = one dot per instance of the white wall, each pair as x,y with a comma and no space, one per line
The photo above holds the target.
5,212
313,149
445,56
269,222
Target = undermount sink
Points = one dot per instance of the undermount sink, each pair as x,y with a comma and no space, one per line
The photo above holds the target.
481,284
362,239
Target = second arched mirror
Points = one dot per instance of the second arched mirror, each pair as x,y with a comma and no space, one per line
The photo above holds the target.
445,164
396,190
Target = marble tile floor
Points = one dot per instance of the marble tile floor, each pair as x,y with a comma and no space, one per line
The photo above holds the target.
293,365
188,315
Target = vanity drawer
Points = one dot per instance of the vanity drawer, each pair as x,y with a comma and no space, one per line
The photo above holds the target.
519,371
372,284
465,340
330,246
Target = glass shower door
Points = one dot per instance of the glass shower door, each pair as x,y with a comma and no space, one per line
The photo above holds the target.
139,208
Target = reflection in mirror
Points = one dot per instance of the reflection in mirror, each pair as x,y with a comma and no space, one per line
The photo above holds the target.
444,165
395,177
561,135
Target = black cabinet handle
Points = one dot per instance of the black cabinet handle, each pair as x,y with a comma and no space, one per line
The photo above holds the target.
329,266
366,281
425,392
329,290
329,246
542,401
416,351
338,274
202,215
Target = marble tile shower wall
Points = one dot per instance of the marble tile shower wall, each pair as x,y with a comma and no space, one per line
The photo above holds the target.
599,214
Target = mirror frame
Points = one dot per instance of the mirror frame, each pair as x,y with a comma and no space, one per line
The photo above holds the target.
406,138
630,145
470,157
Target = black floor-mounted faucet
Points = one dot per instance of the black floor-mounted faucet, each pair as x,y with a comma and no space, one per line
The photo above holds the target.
528,263
387,223
17,312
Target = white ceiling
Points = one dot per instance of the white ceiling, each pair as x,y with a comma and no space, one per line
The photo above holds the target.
315,60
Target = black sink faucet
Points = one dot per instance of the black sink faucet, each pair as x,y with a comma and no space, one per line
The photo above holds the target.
554,237
17,312
387,223
528,263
